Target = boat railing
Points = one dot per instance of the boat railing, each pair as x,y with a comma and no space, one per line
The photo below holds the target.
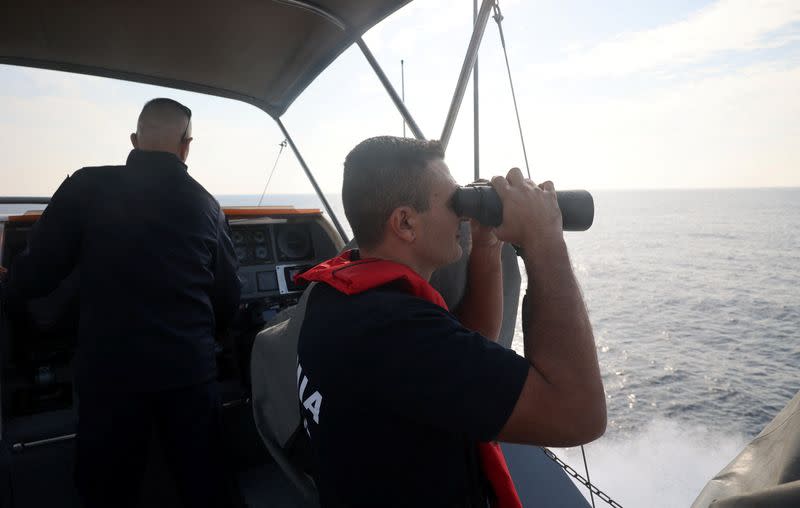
24,200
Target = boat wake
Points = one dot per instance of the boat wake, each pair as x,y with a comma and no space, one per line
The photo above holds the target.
666,464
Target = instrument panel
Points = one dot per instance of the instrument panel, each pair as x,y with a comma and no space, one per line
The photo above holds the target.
271,254
252,244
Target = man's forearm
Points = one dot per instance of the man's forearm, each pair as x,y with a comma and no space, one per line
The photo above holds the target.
482,307
559,341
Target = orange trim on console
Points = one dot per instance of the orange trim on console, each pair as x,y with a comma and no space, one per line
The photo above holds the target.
31,216
266,211
230,212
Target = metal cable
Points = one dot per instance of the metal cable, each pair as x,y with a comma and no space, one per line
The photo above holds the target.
589,480
264,192
498,18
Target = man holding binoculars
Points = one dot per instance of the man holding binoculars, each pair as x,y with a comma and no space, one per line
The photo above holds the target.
402,399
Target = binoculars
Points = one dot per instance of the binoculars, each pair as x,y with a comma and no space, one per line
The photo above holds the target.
480,202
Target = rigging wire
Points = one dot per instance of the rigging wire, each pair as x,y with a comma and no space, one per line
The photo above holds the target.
498,18
264,192
589,480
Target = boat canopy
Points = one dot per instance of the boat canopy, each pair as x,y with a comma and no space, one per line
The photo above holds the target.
263,52
766,472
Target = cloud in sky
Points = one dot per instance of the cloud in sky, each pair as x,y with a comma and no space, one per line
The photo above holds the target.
735,129
727,25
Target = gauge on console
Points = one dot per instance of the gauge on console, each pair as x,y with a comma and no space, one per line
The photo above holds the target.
253,244
294,242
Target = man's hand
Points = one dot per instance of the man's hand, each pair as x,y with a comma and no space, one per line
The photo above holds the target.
530,212
3,273
483,237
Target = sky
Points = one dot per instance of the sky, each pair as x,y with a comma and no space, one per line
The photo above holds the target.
621,94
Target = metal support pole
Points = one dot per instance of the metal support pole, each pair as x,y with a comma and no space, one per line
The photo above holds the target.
320,11
313,181
403,90
466,69
390,89
476,133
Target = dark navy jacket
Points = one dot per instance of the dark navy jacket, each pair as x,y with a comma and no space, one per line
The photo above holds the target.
156,266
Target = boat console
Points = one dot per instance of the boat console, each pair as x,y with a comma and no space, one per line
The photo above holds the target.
271,252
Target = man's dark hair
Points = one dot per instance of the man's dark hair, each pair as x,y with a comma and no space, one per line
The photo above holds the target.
381,174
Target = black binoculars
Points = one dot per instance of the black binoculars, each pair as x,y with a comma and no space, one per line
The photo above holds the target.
480,201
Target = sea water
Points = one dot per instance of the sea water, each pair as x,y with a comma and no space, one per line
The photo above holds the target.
694,296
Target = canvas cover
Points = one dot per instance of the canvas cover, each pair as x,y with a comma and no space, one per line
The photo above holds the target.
766,473
263,52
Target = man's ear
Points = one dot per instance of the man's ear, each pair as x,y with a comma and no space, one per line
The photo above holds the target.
134,140
184,149
402,223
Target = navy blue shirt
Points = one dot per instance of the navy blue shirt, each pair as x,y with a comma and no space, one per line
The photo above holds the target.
394,394
156,266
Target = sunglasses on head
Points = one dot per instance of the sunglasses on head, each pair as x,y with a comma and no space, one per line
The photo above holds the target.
186,111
